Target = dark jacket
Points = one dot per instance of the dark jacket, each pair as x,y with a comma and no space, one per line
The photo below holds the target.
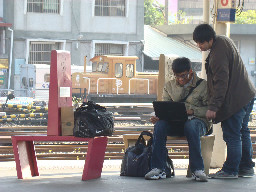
229,87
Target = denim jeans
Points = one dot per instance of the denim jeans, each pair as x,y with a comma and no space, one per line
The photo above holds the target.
236,134
193,130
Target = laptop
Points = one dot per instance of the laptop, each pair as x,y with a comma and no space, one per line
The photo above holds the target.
170,111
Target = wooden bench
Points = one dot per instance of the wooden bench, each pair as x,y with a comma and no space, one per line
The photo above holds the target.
26,160
206,147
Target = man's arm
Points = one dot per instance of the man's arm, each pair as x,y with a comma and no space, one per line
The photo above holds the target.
200,111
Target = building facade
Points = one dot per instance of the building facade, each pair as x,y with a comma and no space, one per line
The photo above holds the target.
86,28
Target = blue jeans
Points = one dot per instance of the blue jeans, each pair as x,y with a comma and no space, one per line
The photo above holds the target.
193,130
236,134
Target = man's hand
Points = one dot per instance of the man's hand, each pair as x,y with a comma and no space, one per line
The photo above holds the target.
154,119
190,112
210,115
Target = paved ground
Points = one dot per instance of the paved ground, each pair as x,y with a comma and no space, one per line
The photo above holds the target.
65,176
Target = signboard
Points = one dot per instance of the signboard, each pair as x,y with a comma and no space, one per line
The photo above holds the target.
252,61
4,64
226,10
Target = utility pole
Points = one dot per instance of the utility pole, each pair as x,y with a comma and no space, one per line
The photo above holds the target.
166,12
206,10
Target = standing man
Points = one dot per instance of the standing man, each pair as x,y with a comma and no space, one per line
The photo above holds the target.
231,98
196,105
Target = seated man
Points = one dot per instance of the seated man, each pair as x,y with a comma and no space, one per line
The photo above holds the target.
197,125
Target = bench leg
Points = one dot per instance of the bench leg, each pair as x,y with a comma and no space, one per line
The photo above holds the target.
25,158
94,158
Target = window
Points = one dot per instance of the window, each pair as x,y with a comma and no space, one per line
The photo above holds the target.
40,52
109,7
118,70
94,66
47,77
109,49
43,6
101,67
129,70
105,67
30,82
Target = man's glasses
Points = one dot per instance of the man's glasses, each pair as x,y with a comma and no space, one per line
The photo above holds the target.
183,76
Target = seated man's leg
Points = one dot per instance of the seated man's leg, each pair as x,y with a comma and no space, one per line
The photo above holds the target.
193,130
158,160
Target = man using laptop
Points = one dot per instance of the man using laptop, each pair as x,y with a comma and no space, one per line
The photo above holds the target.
196,126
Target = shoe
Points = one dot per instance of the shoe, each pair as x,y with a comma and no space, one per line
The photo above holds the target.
155,174
246,172
223,175
199,175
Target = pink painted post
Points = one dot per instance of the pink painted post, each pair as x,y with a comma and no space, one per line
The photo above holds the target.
60,92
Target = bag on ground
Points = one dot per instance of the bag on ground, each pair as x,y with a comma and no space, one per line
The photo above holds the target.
93,120
137,159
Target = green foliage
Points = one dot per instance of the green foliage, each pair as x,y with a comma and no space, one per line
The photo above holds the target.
180,18
246,17
76,102
153,13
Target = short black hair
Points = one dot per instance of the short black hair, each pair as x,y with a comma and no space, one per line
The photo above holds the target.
203,32
181,64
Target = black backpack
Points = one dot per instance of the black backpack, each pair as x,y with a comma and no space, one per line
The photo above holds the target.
137,159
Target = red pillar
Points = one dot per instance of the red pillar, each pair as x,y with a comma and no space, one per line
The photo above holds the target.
60,91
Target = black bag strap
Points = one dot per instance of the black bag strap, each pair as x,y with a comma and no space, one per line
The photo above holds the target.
142,140
90,105
191,90
170,162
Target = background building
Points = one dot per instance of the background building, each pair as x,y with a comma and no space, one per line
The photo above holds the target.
86,28
243,35
194,8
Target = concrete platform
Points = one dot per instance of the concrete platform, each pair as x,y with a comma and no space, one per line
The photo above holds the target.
65,176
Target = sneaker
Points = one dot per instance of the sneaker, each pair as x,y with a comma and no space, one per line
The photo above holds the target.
246,172
199,175
223,175
155,174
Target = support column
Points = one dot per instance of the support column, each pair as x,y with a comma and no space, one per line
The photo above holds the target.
161,77
219,149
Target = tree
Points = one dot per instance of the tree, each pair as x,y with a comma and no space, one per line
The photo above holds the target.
153,13
180,18
246,17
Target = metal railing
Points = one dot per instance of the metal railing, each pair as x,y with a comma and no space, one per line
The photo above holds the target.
137,79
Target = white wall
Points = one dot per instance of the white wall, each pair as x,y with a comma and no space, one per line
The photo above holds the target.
98,24
1,8
42,22
248,50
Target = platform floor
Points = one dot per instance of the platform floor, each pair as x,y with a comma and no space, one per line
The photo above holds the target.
65,176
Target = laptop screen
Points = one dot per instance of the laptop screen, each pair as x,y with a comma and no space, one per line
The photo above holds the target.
170,111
